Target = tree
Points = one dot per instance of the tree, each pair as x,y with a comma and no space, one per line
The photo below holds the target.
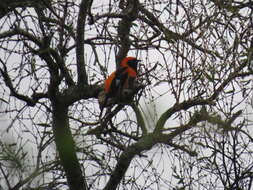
187,129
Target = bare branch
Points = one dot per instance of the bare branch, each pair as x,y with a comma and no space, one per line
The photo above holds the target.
126,157
83,12
171,36
22,32
30,101
9,5
130,13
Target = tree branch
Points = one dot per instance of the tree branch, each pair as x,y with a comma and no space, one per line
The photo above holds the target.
30,101
145,143
177,107
129,15
140,119
9,5
198,101
19,31
61,64
171,36
83,12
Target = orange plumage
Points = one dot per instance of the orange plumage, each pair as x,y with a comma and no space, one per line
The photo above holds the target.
108,82
121,80
122,77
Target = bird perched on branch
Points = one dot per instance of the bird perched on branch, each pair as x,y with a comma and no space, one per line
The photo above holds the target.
120,85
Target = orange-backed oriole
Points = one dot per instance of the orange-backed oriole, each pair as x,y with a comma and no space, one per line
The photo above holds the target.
120,83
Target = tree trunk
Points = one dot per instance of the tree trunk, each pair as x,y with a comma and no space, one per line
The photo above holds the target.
66,148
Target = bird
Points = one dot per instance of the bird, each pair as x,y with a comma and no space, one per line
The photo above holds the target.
121,83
